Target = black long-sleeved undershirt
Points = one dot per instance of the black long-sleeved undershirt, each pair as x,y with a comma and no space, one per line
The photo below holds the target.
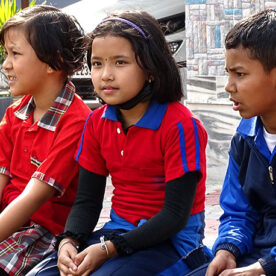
179,196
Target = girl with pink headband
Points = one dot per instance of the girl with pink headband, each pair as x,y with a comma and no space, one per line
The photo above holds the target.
154,150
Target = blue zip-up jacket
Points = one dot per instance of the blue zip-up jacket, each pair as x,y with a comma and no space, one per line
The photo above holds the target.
248,198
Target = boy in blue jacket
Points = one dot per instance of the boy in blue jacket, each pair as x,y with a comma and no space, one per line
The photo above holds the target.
246,244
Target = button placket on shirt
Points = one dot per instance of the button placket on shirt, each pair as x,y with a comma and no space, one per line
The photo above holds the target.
119,131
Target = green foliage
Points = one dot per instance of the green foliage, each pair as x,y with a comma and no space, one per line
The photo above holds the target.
34,2
7,10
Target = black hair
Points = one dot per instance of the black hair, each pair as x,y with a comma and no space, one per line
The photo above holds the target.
57,38
258,34
152,53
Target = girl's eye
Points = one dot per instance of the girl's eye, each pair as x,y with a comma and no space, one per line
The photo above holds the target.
96,64
120,62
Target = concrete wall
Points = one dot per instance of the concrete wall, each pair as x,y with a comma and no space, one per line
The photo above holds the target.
207,22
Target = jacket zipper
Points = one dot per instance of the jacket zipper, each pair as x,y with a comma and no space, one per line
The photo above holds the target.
270,170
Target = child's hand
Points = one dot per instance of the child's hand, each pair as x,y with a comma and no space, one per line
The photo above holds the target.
89,260
251,270
66,256
222,261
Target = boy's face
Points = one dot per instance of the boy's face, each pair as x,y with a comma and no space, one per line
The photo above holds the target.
24,70
251,88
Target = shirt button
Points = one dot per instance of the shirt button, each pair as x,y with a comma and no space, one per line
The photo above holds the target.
25,149
118,130
122,152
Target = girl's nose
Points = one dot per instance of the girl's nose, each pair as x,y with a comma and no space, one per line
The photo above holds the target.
107,73
6,64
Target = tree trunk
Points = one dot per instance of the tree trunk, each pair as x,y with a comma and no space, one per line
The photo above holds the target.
24,4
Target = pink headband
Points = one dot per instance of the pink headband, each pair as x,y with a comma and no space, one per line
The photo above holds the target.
127,22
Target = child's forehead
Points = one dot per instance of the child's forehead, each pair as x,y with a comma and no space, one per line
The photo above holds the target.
111,42
241,58
238,53
15,32
113,37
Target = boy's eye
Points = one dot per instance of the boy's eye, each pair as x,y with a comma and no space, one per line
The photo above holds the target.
240,74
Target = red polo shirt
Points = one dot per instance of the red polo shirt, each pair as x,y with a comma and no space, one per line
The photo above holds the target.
167,142
44,150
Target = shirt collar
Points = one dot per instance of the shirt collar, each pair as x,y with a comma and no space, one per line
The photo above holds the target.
152,119
50,120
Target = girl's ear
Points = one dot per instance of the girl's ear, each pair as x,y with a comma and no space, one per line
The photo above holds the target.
50,69
151,79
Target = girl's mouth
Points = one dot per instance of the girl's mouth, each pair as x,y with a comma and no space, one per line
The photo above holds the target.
109,89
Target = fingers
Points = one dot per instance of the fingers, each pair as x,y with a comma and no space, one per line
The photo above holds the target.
66,257
79,257
211,271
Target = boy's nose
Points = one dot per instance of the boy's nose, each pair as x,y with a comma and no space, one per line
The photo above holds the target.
230,86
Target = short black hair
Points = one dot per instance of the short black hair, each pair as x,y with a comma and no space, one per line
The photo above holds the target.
258,34
152,53
57,38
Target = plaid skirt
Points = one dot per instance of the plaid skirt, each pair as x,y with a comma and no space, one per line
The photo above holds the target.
24,249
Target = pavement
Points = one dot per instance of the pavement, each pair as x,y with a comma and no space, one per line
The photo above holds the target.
212,212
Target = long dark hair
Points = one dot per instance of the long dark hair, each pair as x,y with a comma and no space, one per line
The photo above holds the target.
152,53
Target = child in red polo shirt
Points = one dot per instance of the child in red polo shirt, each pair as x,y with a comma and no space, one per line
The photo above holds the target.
154,150
38,134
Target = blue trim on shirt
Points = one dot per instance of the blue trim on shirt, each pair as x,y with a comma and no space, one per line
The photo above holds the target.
197,147
182,147
110,113
152,119
82,136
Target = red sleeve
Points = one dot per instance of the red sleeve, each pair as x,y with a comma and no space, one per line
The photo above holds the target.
88,154
59,168
185,148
